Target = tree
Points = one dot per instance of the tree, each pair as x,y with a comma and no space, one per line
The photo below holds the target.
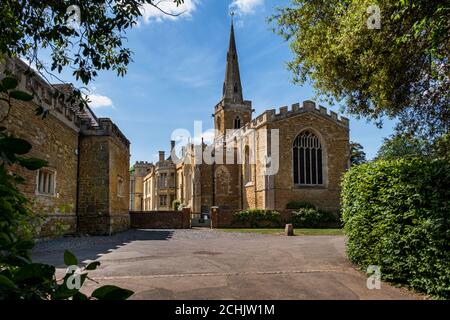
85,43
357,154
400,70
402,146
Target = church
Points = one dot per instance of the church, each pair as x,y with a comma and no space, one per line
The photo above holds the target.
291,154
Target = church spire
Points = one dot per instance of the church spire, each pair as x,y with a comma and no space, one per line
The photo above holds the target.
232,88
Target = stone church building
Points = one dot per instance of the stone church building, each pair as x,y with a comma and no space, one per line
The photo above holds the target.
291,154
84,188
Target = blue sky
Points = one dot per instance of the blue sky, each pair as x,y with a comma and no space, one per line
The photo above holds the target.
178,71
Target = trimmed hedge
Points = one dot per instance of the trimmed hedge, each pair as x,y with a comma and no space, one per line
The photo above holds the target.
258,217
311,218
300,205
396,216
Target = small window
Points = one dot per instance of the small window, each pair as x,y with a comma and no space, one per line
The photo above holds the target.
218,123
120,187
237,123
236,88
163,200
46,182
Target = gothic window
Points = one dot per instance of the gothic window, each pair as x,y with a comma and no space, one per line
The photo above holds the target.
236,88
308,159
46,181
237,123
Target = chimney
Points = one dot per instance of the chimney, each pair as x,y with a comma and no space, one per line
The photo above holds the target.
161,156
172,145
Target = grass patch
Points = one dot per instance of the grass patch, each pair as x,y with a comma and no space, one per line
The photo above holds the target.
298,232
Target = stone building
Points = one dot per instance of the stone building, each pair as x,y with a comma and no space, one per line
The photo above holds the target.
137,174
84,188
159,185
293,154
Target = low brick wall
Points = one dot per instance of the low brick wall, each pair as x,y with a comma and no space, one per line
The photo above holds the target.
161,219
225,219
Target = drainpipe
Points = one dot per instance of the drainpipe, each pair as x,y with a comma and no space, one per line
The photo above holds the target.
77,197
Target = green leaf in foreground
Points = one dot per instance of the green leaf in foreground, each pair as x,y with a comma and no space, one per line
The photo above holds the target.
20,95
9,83
111,293
32,163
92,266
70,259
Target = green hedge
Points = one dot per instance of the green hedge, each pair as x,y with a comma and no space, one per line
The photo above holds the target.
300,205
311,218
396,215
257,217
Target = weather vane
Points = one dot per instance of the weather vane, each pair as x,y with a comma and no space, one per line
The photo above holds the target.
232,13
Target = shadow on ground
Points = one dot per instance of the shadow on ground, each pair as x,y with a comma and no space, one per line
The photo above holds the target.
91,247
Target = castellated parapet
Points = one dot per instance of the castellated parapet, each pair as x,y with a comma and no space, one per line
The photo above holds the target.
53,98
284,112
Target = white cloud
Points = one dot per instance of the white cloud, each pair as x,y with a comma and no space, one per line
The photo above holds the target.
99,101
150,13
245,6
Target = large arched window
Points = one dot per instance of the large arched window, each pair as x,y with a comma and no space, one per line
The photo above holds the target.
308,159
237,123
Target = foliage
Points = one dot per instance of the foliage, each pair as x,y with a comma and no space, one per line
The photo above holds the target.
402,146
20,278
400,70
176,205
441,147
396,216
37,281
357,154
311,218
299,205
96,43
257,216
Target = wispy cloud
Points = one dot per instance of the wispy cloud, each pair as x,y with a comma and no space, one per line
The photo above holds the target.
150,13
99,101
242,7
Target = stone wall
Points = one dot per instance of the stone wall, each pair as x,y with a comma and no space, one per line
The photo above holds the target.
56,142
104,164
86,156
161,219
336,152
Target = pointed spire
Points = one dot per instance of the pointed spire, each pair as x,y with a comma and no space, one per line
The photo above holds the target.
232,88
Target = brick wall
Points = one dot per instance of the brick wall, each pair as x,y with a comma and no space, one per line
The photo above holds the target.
161,219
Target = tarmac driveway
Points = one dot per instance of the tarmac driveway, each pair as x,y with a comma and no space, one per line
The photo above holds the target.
210,264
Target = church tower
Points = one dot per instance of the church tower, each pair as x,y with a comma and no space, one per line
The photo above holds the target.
232,112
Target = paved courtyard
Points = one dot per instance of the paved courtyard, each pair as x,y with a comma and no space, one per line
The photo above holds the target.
209,264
